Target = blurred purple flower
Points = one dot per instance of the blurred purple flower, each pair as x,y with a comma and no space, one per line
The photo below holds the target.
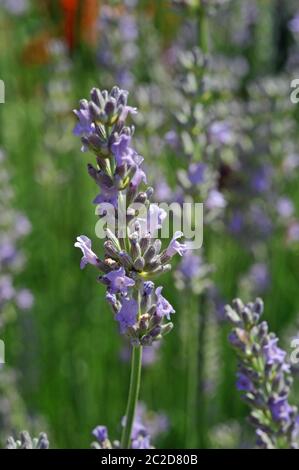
220,132
261,179
215,200
259,276
294,24
24,299
285,207
7,290
196,173
172,139
190,266
236,222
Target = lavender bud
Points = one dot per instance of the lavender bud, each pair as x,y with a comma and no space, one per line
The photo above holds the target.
149,254
139,264
165,329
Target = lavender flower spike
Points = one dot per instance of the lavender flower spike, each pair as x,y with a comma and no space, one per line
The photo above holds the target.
263,376
132,254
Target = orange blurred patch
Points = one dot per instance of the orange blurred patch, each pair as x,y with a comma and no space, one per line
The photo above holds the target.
89,19
36,52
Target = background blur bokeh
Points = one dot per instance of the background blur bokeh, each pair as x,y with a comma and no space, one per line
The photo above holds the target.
69,361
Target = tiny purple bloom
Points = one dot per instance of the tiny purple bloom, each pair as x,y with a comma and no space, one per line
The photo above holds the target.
85,126
272,353
89,257
175,246
280,409
122,152
127,315
243,382
118,281
100,433
163,307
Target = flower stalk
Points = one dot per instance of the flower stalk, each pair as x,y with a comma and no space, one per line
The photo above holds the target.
135,379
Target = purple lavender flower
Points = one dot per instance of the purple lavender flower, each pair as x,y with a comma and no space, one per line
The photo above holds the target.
259,276
140,437
243,382
215,200
172,139
24,299
128,28
22,225
85,125
107,195
118,282
154,220
7,290
272,353
100,433
89,257
162,191
8,251
127,315
280,409
294,24
196,173
190,266
261,179
264,376
237,222
129,264
163,307
285,207
148,288
15,7
122,152
175,246
220,132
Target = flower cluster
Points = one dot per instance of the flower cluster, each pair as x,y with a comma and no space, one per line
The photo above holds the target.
263,376
27,442
133,255
147,425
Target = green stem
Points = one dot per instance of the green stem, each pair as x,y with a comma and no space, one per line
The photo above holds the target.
191,373
133,396
203,32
